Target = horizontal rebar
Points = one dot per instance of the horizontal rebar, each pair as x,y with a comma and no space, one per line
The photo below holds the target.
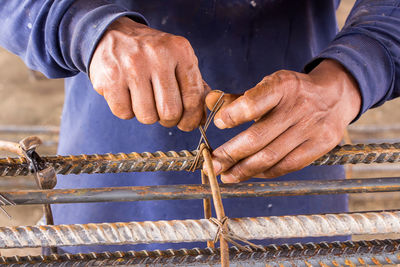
199,230
29,129
200,191
375,252
179,161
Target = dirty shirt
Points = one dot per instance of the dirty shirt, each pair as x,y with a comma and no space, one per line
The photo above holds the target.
237,43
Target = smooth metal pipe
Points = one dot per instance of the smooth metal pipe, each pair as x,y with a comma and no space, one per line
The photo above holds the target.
183,160
375,252
199,191
177,231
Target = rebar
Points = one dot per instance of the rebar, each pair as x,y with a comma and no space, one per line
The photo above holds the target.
199,191
29,129
361,153
375,252
218,206
199,230
179,161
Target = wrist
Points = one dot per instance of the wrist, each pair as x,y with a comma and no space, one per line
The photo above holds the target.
341,86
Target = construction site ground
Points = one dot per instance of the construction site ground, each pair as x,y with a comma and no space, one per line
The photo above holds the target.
28,101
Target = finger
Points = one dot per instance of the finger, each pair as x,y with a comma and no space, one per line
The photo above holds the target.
248,107
250,141
192,93
299,158
207,89
265,158
213,96
168,97
119,100
143,103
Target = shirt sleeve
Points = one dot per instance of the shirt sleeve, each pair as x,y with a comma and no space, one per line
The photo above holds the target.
368,46
58,37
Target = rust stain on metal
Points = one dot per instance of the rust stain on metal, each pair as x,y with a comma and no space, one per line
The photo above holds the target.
311,254
375,261
183,160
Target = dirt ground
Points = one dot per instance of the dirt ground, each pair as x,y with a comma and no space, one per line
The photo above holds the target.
26,101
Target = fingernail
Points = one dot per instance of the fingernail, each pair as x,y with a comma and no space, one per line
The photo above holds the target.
217,166
219,123
228,178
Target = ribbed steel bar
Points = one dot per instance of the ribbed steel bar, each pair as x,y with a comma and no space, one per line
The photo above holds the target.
179,161
199,191
375,252
199,230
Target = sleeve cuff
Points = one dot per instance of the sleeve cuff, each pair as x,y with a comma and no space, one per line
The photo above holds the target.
367,60
86,22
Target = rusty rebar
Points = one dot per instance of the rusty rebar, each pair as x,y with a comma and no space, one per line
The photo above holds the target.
350,253
179,161
361,153
207,206
198,191
199,230
217,201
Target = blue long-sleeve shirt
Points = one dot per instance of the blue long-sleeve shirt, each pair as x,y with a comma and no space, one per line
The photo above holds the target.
237,42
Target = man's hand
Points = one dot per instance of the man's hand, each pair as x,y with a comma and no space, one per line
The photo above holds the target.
149,74
298,118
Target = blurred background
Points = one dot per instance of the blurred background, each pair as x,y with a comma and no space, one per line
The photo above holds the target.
28,99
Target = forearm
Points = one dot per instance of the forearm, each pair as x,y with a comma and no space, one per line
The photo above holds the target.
56,37
369,48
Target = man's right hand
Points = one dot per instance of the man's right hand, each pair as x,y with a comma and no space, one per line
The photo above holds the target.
149,74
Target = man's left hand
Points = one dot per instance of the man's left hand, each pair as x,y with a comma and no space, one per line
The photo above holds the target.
298,118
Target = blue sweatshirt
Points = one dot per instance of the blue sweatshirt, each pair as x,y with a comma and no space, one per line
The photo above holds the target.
237,42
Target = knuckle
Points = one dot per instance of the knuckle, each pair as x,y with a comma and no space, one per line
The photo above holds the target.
268,157
154,53
287,79
186,128
285,75
272,173
170,113
98,89
121,112
278,171
225,156
193,103
240,171
291,164
329,134
131,61
253,138
125,115
183,46
147,119
227,118
282,73
179,41
98,84
248,102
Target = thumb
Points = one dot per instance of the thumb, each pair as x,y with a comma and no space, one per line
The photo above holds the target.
213,96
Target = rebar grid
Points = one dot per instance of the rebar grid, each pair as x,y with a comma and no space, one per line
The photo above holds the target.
199,230
182,160
375,252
